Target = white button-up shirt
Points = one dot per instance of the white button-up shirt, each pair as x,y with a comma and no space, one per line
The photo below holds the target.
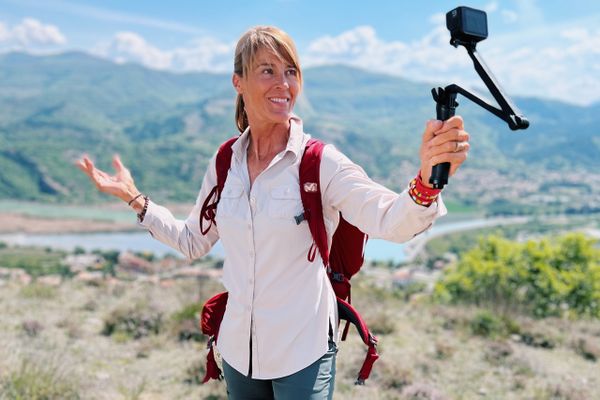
280,305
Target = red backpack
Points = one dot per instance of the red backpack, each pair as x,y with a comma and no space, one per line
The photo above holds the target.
344,260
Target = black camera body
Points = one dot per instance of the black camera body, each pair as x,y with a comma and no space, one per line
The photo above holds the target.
467,26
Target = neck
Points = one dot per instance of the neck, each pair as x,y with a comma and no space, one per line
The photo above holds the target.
267,140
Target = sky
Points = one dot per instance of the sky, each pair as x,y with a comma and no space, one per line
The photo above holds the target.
548,49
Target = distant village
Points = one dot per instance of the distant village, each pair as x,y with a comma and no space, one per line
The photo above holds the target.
91,268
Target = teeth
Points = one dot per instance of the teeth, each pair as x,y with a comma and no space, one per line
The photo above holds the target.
278,100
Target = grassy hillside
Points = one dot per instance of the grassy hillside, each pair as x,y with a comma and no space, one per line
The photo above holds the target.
166,126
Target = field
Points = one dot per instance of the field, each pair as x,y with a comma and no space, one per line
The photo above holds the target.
53,340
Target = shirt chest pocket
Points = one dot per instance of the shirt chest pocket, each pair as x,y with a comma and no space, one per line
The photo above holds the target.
285,202
229,204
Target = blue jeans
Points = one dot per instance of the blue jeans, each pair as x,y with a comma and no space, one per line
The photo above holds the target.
315,382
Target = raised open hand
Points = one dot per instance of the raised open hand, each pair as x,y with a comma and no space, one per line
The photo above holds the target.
120,185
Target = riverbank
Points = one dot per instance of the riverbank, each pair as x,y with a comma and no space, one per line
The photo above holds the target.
39,218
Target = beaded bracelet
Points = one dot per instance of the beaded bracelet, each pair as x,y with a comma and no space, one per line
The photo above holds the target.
420,193
142,214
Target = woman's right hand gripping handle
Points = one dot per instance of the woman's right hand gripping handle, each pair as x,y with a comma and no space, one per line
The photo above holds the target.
120,184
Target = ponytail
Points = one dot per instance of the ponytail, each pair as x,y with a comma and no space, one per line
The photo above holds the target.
241,119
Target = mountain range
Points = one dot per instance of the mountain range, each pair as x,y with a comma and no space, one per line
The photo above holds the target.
166,126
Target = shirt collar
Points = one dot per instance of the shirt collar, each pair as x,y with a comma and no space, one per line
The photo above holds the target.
294,143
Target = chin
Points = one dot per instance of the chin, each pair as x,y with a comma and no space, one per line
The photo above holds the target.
281,118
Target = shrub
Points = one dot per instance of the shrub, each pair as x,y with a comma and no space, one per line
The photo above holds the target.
186,323
381,323
544,278
38,381
32,328
136,322
391,375
536,337
194,374
443,350
497,352
35,261
38,291
488,325
587,349
422,391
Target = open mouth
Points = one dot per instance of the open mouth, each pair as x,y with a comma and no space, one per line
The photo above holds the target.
279,100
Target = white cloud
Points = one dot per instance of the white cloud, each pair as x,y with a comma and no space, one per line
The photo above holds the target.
564,68
509,16
362,48
203,54
30,34
131,47
491,7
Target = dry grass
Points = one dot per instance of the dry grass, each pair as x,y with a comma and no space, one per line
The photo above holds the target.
427,351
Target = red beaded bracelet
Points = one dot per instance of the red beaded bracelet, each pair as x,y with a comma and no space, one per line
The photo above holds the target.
420,193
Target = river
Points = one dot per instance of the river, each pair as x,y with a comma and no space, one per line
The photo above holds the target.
377,250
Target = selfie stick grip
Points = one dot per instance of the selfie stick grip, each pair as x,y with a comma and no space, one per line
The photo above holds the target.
445,108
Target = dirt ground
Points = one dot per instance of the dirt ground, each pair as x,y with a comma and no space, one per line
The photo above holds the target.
18,223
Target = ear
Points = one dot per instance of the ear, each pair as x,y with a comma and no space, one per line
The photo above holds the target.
236,80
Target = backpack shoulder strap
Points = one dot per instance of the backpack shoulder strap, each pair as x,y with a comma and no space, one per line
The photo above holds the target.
222,165
310,193
223,161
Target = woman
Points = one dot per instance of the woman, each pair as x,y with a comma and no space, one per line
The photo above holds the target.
278,335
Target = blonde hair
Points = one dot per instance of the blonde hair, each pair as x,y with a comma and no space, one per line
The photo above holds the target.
261,37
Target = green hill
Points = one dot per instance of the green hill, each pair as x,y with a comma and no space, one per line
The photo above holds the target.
166,126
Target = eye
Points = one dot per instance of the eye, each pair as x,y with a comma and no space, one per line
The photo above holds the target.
267,71
292,72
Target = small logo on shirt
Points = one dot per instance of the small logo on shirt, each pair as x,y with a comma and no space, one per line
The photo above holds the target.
310,187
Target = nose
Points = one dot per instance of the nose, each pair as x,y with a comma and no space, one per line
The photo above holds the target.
282,80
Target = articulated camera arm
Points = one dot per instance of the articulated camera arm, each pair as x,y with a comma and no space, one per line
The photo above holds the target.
446,104
509,112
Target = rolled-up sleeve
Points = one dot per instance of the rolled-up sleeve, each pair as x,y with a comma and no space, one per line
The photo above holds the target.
374,209
184,235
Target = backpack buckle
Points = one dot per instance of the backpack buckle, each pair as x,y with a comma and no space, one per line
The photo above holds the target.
338,277
210,342
299,218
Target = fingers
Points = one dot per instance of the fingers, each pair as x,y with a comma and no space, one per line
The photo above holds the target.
453,146
87,166
455,159
452,135
84,164
430,128
117,163
455,122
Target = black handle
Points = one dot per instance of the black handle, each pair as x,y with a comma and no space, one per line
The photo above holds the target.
445,108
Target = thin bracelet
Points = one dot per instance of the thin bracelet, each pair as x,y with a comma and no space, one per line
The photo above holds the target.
134,199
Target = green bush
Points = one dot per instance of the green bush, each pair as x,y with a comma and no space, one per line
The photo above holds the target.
38,381
135,322
186,323
38,291
488,325
35,261
543,278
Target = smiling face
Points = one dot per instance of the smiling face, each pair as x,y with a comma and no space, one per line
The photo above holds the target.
269,89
